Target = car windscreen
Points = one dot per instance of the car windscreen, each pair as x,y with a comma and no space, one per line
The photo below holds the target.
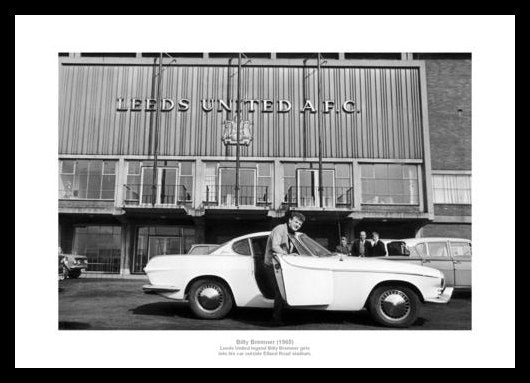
314,247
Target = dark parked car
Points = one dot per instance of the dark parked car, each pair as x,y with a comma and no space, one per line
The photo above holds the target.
71,265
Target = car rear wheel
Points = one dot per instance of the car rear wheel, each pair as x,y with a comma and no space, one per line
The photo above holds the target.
210,299
394,306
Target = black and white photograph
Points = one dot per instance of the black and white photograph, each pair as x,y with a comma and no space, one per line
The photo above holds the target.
253,196
346,187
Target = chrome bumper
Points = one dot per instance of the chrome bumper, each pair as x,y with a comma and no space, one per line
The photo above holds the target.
160,289
444,297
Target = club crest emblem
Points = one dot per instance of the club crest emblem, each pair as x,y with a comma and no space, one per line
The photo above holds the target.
230,133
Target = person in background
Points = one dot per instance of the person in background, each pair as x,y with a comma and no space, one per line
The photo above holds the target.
362,247
343,247
378,247
279,243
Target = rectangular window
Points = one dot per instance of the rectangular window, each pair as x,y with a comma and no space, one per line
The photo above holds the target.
174,182
390,184
185,192
255,183
87,179
210,182
451,188
101,245
343,185
264,186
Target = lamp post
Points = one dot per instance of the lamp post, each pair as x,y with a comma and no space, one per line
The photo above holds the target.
157,122
238,125
319,123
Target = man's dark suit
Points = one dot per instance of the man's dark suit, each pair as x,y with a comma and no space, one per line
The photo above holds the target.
378,249
343,250
356,248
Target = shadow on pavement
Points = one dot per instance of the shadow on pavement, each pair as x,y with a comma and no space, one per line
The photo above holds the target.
165,309
263,317
73,326
461,294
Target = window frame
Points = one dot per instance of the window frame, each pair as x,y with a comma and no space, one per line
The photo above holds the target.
455,256
102,175
249,244
418,194
454,191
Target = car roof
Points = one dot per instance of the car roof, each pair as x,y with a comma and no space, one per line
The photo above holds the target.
427,239
252,235
205,244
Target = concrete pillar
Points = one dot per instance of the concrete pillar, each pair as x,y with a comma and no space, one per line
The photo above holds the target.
121,180
126,249
200,229
199,184
357,186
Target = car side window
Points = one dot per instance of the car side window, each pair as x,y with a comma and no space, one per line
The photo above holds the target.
397,248
242,247
421,249
259,245
461,249
438,250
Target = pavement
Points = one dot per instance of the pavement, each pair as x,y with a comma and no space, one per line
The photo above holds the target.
120,304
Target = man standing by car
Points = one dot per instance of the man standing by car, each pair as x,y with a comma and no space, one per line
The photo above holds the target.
343,247
378,247
279,243
362,247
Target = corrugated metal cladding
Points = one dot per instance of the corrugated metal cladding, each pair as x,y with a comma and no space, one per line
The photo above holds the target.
388,125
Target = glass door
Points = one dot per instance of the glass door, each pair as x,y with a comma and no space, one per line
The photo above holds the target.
166,186
227,186
164,246
308,185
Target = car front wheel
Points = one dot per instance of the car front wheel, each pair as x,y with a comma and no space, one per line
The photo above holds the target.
394,306
210,299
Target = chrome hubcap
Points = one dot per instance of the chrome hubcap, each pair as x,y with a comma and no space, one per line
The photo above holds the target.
210,297
395,305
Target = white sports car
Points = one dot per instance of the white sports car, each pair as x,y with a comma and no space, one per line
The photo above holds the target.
312,278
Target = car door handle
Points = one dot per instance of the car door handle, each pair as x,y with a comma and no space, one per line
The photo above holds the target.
457,262
426,261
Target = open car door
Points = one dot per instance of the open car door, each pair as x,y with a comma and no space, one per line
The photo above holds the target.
304,279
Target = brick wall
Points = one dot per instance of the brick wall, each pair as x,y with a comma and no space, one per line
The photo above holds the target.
449,89
452,210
